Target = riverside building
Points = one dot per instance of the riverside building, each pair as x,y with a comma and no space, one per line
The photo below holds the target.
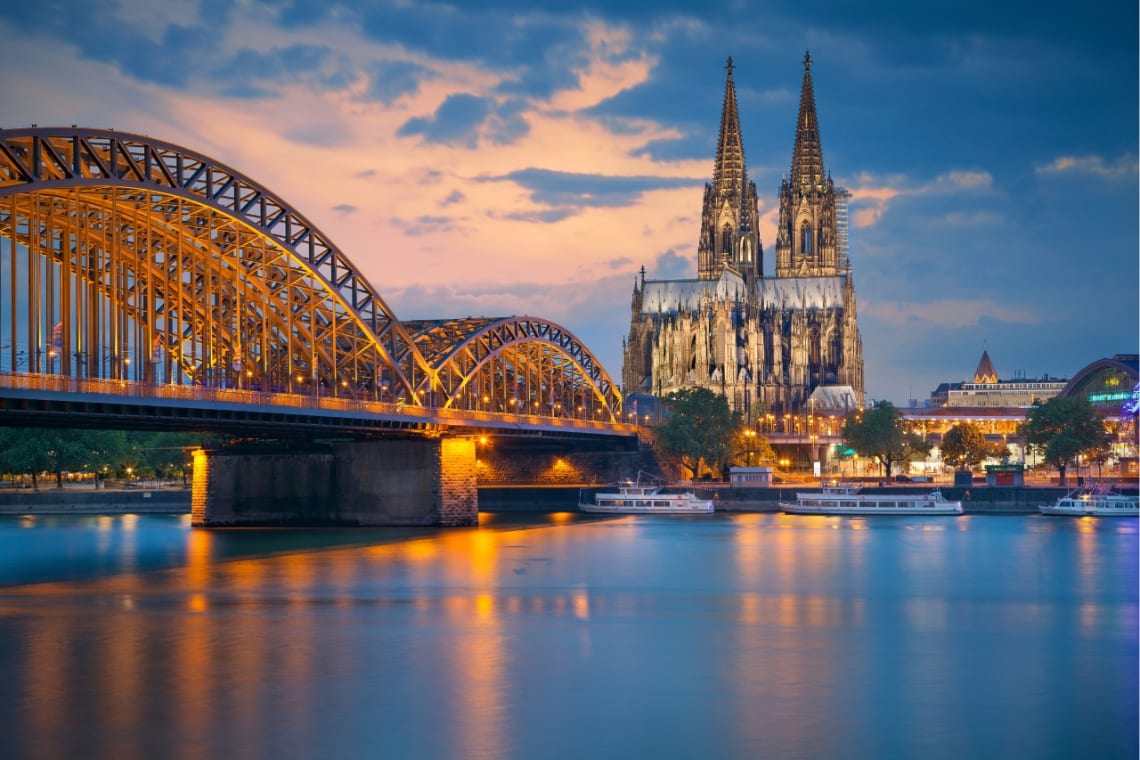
765,334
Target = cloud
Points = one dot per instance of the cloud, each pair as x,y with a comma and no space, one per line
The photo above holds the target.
426,225
948,312
547,216
344,208
1121,168
455,122
463,118
871,196
388,80
959,180
974,218
673,265
249,73
453,197
556,188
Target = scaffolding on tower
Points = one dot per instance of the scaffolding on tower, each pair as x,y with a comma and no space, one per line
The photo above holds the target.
842,196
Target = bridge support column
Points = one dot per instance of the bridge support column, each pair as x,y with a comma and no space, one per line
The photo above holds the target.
388,482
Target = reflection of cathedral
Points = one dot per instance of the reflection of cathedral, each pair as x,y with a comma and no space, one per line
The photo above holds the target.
764,340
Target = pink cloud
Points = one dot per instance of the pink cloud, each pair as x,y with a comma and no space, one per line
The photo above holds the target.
948,313
1122,167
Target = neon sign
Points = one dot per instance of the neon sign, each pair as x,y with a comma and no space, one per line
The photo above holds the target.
1097,398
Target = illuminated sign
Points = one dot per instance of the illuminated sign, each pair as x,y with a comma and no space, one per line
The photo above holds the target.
1097,398
1130,407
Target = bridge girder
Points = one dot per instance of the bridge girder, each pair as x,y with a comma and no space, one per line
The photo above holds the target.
135,248
516,364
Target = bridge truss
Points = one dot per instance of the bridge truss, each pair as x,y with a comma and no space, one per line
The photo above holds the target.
127,258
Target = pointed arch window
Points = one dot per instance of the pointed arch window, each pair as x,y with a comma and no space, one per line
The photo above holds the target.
726,239
806,239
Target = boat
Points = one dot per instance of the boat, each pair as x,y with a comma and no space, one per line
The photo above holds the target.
847,499
644,497
1095,501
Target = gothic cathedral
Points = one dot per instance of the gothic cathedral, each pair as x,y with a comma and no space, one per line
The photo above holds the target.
768,341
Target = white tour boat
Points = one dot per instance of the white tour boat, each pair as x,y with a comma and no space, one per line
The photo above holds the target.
839,499
1093,502
645,498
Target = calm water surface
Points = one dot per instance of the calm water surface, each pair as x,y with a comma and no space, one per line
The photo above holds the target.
558,636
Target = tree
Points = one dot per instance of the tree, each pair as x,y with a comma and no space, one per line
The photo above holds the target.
964,445
1061,429
699,429
880,432
752,448
55,450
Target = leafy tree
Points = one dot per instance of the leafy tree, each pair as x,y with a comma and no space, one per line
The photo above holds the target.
35,450
752,448
698,431
167,454
964,445
1061,429
880,432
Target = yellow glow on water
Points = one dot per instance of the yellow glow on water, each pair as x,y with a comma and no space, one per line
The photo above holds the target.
484,606
412,550
197,603
581,605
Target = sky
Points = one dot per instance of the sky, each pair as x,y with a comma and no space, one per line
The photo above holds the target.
507,157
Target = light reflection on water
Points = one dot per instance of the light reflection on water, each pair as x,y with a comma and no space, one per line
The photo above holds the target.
563,636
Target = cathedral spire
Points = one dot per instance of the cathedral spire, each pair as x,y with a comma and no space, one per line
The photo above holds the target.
728,173
807,158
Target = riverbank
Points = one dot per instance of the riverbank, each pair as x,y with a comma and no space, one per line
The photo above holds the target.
524,498
89,501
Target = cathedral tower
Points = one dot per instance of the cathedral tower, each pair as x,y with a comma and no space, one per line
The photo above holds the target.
729,237
807,239
766,341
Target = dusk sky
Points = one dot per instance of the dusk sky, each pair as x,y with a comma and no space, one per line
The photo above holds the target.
507,157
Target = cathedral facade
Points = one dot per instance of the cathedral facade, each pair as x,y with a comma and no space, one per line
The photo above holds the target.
767,340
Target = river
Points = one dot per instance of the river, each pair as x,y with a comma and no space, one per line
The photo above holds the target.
566,636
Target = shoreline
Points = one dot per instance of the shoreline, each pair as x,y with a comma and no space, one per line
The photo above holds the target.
499,498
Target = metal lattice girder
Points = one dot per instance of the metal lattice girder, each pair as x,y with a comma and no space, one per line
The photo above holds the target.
178,241
514,364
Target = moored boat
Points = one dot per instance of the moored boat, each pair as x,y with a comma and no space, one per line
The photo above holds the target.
841,499
638,497
1095,502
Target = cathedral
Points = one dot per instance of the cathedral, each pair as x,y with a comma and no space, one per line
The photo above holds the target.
767,337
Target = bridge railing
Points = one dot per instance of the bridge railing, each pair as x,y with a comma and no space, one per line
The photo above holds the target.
124,389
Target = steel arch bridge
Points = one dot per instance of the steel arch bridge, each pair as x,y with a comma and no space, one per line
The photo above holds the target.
131,260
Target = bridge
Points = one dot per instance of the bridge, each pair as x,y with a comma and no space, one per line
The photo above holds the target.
148,285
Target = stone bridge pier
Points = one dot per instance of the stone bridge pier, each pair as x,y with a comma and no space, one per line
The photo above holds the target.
420,481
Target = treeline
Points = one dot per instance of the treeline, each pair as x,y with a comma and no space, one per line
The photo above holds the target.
29,453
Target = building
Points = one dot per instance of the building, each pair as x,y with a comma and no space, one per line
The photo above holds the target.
763,337
999,407
1112,386
987,391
